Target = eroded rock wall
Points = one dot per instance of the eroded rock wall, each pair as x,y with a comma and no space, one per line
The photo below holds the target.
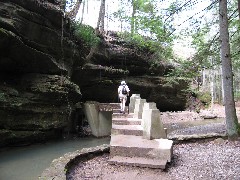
37,56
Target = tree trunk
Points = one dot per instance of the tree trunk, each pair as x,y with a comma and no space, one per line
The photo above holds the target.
99,29
221,89
227,75
100,24
133,17
212,79
73,13
82,11
103,16
239,9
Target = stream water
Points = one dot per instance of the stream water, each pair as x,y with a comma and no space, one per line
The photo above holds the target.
27,163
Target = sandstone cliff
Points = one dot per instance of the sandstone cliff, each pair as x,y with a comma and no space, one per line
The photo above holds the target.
37,95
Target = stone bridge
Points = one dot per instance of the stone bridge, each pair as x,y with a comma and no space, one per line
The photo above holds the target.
137,138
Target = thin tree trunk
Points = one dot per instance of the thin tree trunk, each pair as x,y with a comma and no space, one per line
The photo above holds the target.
212,79
133,17
73,13
92,51
100,23
221,89
230,110
103,16
83,11
99,29
239,9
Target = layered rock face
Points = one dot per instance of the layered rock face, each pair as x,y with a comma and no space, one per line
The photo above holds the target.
117,60
37,95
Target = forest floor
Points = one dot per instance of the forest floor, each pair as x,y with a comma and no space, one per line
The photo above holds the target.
208,159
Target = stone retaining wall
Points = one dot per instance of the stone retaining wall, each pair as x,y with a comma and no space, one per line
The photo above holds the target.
59,167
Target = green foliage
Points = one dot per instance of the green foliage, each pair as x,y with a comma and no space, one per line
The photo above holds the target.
204,97
207,50
206,56
86,34
237,96
205,41
170,81
185,69
145,6
138,41
156,50
148,20
2,97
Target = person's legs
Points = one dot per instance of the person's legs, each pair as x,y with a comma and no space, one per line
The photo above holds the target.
123,104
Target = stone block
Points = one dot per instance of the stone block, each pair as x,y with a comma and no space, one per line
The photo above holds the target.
132,102
136,146
135,130
105,123
138,110
149,105
100,121
152,125
138,161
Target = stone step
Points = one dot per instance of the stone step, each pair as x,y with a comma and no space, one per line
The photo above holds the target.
136,146
136,130
138,161
126,121
109,106
117,109
120,115
130,115
123,116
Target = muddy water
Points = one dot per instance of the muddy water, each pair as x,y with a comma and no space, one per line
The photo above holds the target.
27,163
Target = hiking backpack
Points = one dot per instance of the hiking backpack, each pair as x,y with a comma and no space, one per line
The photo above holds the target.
124,90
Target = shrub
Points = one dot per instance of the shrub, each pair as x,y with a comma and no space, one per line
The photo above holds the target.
86,34
204,97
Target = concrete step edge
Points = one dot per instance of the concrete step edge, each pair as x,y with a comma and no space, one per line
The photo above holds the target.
138,161
131,141
134,132
127,127
124,122
126,118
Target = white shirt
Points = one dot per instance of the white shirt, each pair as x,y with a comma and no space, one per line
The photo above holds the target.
120,90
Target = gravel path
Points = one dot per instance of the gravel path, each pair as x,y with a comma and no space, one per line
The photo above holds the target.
204,159
217,159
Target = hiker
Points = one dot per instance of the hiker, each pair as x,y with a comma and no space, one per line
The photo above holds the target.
123,92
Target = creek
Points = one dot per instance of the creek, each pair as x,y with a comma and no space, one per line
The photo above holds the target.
27,163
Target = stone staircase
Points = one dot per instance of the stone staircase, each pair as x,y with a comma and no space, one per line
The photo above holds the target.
129,147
